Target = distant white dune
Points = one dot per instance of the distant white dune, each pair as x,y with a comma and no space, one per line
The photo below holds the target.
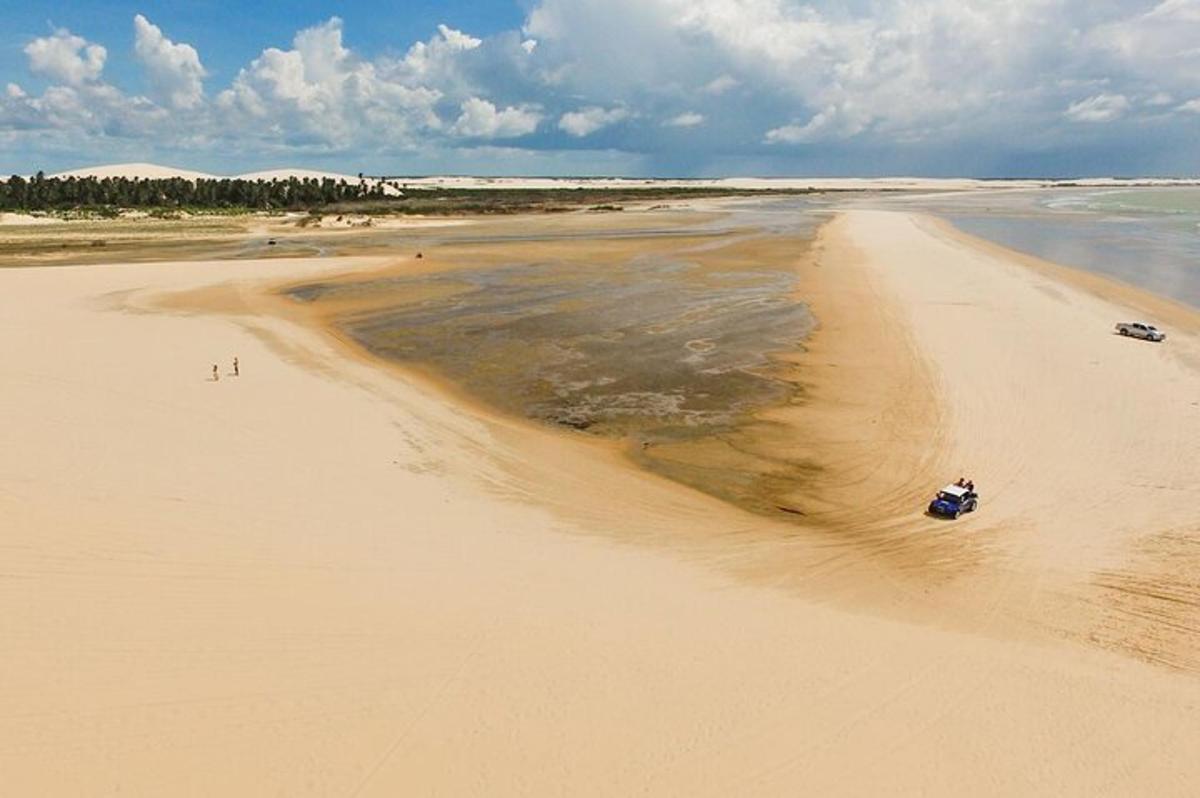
312,174
769,183
725,183
147,170
154,171
299,174
134,171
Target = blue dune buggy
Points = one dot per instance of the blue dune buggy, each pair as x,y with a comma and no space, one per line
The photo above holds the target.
954,500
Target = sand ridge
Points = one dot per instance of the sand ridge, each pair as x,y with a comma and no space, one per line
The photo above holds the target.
877,430
476,182
320,577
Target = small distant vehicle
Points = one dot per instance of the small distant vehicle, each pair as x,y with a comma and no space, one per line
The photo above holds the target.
954,500
1137,329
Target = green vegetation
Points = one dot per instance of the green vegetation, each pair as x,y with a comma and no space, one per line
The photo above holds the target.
487,201
99,195
91,197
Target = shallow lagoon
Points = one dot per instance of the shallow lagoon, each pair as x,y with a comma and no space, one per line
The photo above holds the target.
651,336
1147,237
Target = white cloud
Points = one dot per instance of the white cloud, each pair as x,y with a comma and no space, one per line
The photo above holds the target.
174,70
457,40
1100,108
686,119
834,122
1191,106
425,58
78,105
720,85
587,121
66,57
318,92
880,73
1159,49
791,134
997,80
1178,10
91,109
322,56
318,95
481,119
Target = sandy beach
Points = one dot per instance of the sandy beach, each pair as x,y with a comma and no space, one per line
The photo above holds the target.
328,577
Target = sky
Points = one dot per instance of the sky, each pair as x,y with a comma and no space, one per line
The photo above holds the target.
670,88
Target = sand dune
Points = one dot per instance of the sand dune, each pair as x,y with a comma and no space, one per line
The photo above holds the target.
146,170
1081,441
1082,438
772,183
7,219
157,172
320,578
299,174
135,170
310,174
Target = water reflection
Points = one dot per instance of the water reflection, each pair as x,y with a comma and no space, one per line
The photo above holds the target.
1148,237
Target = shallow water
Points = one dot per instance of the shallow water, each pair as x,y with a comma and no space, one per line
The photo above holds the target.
652,345
670,342
648,347
1147,237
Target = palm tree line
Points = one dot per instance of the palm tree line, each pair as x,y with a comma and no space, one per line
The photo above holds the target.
41,193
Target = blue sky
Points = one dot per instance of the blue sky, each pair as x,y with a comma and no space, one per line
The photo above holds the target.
208,25
636,87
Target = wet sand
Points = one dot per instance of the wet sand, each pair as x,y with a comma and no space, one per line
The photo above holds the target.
838,437
1146,237
325,576
668,341
831,436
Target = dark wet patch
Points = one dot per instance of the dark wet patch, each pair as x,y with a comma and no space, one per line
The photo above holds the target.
651,348
673,352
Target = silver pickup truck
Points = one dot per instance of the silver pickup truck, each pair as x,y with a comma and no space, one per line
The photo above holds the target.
1136,329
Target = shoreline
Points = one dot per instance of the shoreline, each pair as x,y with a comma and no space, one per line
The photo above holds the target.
1101,286
318,577
861,369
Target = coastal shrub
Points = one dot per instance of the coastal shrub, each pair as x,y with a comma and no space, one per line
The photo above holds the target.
41,193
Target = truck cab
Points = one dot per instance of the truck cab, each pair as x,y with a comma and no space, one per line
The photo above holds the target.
1138,329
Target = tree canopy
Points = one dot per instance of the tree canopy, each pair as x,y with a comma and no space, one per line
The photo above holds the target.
41,193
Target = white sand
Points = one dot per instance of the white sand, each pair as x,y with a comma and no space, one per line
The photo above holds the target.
131,171
299,174
318,579
310,174
21,219
157,172
777,183
145,170
1081,441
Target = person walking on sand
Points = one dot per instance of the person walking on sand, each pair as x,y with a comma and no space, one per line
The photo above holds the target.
235,367
216,373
